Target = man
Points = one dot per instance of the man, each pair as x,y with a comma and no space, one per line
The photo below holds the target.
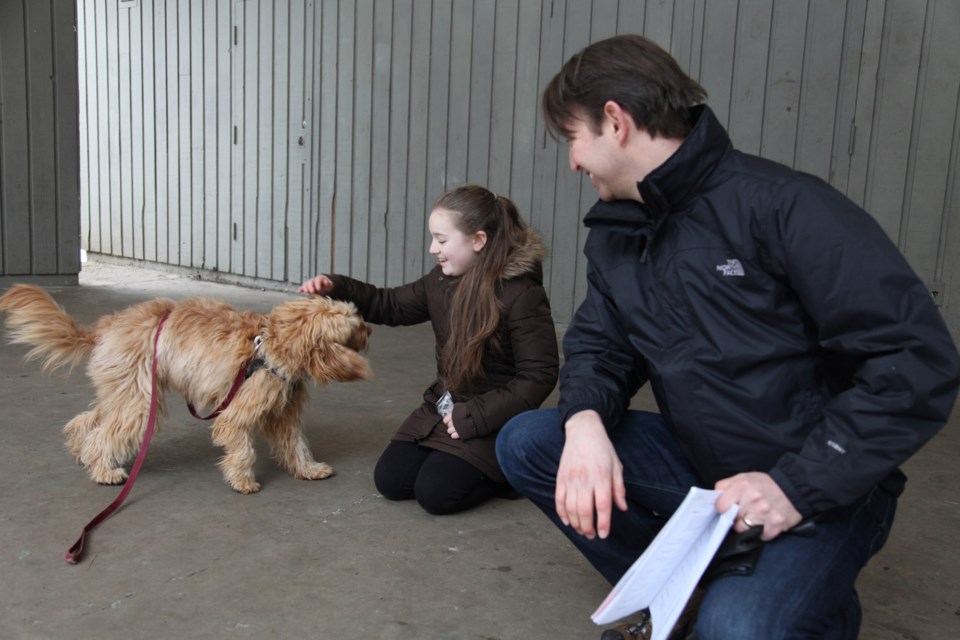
795,357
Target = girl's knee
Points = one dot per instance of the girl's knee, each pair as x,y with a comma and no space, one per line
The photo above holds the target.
391,486
388,490
437,502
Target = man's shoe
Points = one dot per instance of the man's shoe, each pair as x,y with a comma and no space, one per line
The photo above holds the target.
640,630
643,629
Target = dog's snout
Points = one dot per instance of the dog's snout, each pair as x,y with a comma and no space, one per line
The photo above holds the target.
364,340
360,337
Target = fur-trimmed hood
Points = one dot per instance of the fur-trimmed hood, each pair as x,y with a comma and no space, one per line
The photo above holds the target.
527,258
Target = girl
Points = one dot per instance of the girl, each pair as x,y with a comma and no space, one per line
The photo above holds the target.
496,348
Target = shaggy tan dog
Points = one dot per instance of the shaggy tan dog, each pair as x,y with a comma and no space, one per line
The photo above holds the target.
203,346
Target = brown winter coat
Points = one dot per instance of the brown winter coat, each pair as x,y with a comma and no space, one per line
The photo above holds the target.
518,376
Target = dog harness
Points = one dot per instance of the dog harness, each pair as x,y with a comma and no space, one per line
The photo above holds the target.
256,364
249,368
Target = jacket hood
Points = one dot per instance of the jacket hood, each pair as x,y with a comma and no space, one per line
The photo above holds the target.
526,259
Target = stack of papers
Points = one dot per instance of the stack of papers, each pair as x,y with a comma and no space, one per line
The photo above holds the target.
663,578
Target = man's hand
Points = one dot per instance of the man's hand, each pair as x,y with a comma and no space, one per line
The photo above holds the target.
761,502
590,477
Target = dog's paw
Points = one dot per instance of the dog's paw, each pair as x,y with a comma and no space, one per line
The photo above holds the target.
245,486
314,471
112,476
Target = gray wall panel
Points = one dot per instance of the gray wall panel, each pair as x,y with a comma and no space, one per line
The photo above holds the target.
502,59
219,84
892,105
14,142
931,208
751,58
39,149
42,154
66,142
778,135
356,204
393,207
109,119
818,109
438,127
325,166
928,150
524,108
386,137
340,231
410,202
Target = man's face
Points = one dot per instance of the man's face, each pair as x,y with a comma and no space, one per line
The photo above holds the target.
600,157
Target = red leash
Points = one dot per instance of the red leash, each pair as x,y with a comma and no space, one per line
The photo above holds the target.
75,553
226,401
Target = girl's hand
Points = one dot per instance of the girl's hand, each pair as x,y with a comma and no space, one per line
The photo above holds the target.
318,285
448,420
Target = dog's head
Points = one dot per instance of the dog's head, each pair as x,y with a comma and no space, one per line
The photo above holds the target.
318,338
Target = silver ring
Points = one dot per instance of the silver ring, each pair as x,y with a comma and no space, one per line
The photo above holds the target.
747,522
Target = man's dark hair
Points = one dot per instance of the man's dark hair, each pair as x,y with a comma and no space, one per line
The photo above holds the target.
632,71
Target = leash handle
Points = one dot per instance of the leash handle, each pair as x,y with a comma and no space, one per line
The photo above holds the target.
75,553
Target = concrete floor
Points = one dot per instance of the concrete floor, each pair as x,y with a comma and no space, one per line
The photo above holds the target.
186,557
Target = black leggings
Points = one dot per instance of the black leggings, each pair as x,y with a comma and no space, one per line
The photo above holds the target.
441,482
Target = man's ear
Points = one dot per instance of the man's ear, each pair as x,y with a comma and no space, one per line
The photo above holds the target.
618,120
479,240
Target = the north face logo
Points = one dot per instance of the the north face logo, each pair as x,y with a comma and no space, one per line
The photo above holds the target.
731,268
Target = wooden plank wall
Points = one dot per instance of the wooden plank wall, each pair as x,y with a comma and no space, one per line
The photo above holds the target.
415,98
274,140
39,146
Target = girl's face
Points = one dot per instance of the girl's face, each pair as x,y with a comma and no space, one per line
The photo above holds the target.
455,251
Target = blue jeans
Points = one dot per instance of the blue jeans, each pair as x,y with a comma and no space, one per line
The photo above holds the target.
801,587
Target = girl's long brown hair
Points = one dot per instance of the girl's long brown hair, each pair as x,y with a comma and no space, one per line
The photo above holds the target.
475,310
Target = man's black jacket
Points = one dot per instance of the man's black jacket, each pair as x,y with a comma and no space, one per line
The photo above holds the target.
781,330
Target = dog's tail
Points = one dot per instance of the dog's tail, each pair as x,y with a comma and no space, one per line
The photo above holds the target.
34,318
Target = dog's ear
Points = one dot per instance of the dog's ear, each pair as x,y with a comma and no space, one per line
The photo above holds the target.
334,362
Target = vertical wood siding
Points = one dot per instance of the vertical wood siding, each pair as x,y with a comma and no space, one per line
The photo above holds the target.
39,189
275,140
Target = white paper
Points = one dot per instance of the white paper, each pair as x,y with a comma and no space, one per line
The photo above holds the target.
663,578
